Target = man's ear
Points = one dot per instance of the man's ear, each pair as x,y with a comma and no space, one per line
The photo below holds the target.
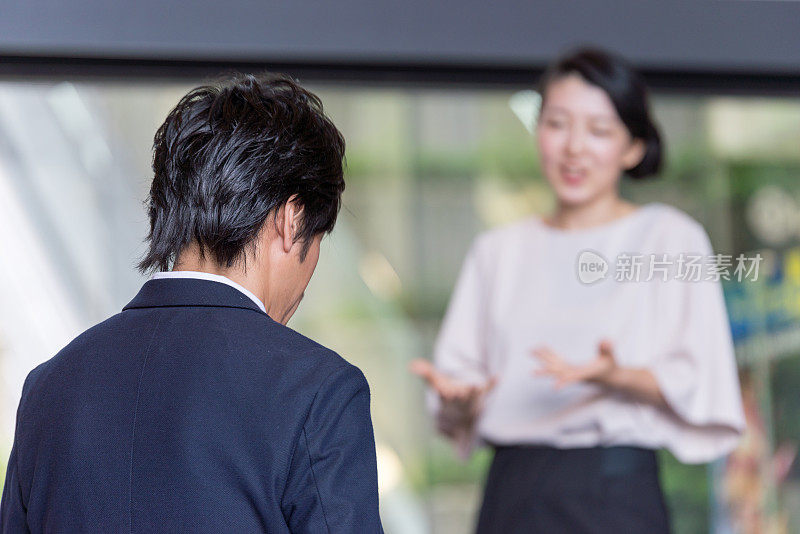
288,222
634,155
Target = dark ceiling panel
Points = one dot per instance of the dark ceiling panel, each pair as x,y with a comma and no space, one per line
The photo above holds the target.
713,43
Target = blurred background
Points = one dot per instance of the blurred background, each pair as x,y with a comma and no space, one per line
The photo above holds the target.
437,107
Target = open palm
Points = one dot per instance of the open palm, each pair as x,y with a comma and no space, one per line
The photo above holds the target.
566,373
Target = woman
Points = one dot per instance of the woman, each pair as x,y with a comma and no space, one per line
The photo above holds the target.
574,344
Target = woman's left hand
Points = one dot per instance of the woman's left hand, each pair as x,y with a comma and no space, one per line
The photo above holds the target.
597,371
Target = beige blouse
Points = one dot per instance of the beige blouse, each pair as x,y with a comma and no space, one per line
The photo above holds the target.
523,286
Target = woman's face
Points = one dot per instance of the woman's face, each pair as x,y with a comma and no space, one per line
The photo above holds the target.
583,144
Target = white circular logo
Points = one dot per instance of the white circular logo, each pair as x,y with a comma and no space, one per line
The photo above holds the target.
592,267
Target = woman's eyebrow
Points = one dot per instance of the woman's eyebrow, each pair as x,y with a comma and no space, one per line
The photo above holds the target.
603,118
555,108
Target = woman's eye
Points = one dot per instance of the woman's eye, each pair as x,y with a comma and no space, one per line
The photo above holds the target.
601,133
554,123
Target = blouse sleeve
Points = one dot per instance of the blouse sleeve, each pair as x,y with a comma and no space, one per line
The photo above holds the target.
695,366
460,349
460,345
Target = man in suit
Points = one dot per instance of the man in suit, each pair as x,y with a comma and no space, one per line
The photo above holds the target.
196,409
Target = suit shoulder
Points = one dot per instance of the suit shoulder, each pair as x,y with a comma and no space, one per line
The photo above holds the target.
343,372
298,356
77,346
44,373
299,346
345,385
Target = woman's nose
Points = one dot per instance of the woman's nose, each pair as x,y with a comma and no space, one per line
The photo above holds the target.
575,142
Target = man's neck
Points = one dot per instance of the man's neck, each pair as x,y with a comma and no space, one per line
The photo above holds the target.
190,259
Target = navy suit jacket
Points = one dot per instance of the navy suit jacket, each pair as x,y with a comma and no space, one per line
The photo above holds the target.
193,411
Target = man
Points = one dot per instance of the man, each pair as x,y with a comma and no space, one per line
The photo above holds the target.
195,409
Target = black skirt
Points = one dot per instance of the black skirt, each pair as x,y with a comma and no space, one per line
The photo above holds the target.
532,489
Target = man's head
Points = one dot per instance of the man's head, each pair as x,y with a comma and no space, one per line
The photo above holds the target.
243,170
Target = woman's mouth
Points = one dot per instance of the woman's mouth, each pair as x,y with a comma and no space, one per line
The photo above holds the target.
572,175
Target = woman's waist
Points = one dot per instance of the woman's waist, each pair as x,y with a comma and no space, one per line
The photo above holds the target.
611,460
591,421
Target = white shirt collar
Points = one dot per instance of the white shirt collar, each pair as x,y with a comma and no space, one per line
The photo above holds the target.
213,278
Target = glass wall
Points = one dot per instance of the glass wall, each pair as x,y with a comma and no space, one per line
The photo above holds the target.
427,171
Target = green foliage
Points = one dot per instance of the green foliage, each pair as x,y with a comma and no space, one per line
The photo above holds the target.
749,176
511,163
362,166
786,401
686,490
442,466
442,165
424,303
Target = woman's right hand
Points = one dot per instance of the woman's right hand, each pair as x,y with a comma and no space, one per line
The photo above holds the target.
461,401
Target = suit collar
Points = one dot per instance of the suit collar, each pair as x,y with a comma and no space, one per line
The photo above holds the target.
172,292
213,278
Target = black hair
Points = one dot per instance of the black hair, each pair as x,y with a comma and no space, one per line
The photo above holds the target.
627,91
229,155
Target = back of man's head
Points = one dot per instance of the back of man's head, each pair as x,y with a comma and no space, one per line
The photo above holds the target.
228,156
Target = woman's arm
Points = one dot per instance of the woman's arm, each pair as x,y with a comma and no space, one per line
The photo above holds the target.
639,383
603,370
460,403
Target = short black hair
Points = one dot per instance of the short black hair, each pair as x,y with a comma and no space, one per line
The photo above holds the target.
626,89
232,152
